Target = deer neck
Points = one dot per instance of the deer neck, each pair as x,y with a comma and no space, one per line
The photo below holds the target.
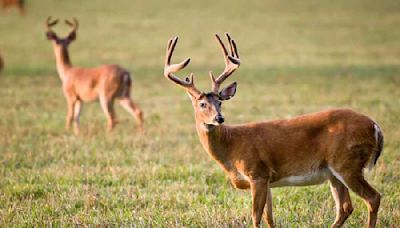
217,141
62,60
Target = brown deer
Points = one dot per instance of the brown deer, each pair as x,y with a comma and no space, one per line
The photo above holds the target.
334,145
20,4
106,82
1,63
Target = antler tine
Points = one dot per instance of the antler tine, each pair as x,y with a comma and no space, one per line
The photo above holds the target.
232,62
74,25
169,69
232,45
170,48
50,23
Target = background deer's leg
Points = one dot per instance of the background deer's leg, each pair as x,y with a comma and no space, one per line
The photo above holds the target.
77,113
21,7
134,110
259,192
70,113
341,195
108,108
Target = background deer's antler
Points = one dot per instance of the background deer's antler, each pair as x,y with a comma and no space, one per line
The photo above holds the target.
50,23
73,24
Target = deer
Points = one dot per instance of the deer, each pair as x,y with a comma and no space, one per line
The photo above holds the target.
334,145
20,4
105,83
1,63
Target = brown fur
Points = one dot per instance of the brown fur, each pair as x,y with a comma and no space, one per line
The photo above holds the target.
291,147
1,63
105,82
334,145
20,4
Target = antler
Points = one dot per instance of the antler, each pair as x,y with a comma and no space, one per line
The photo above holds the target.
232,62
169,69
50,23
74,25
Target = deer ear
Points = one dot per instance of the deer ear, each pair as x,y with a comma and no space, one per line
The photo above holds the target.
228,92
72,36
51,36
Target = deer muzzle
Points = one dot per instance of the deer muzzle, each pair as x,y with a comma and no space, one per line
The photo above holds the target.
219,118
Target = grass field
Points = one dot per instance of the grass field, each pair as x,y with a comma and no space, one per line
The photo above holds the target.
297,57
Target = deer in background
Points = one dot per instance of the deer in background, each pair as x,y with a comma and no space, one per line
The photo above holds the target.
1,63
20,4
106,82
334,145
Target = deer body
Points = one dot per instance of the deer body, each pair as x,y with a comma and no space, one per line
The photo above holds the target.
295,152
20,4
334,145
88,84
1,63
105,83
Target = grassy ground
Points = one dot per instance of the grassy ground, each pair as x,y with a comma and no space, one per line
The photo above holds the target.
298,57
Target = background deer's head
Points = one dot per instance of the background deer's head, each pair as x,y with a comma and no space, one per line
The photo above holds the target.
57,41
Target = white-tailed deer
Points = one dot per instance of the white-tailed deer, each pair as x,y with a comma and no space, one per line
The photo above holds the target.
106,82
20,4
334,145
1,63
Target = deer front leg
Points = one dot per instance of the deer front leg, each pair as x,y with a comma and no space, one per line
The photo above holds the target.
108,108
70,113
268,216
259,191
77,112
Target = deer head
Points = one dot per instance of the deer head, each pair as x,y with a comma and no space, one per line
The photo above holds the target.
207,106
62,42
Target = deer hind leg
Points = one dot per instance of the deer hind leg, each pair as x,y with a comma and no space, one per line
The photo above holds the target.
370,196
108,108
259,192
352,177
133,109
77,113
344,207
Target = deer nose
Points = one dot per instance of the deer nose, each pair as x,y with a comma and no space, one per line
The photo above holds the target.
219,119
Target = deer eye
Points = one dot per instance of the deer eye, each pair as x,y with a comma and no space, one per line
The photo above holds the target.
203,105
219,103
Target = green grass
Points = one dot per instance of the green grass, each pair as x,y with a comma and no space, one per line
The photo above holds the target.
298,57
